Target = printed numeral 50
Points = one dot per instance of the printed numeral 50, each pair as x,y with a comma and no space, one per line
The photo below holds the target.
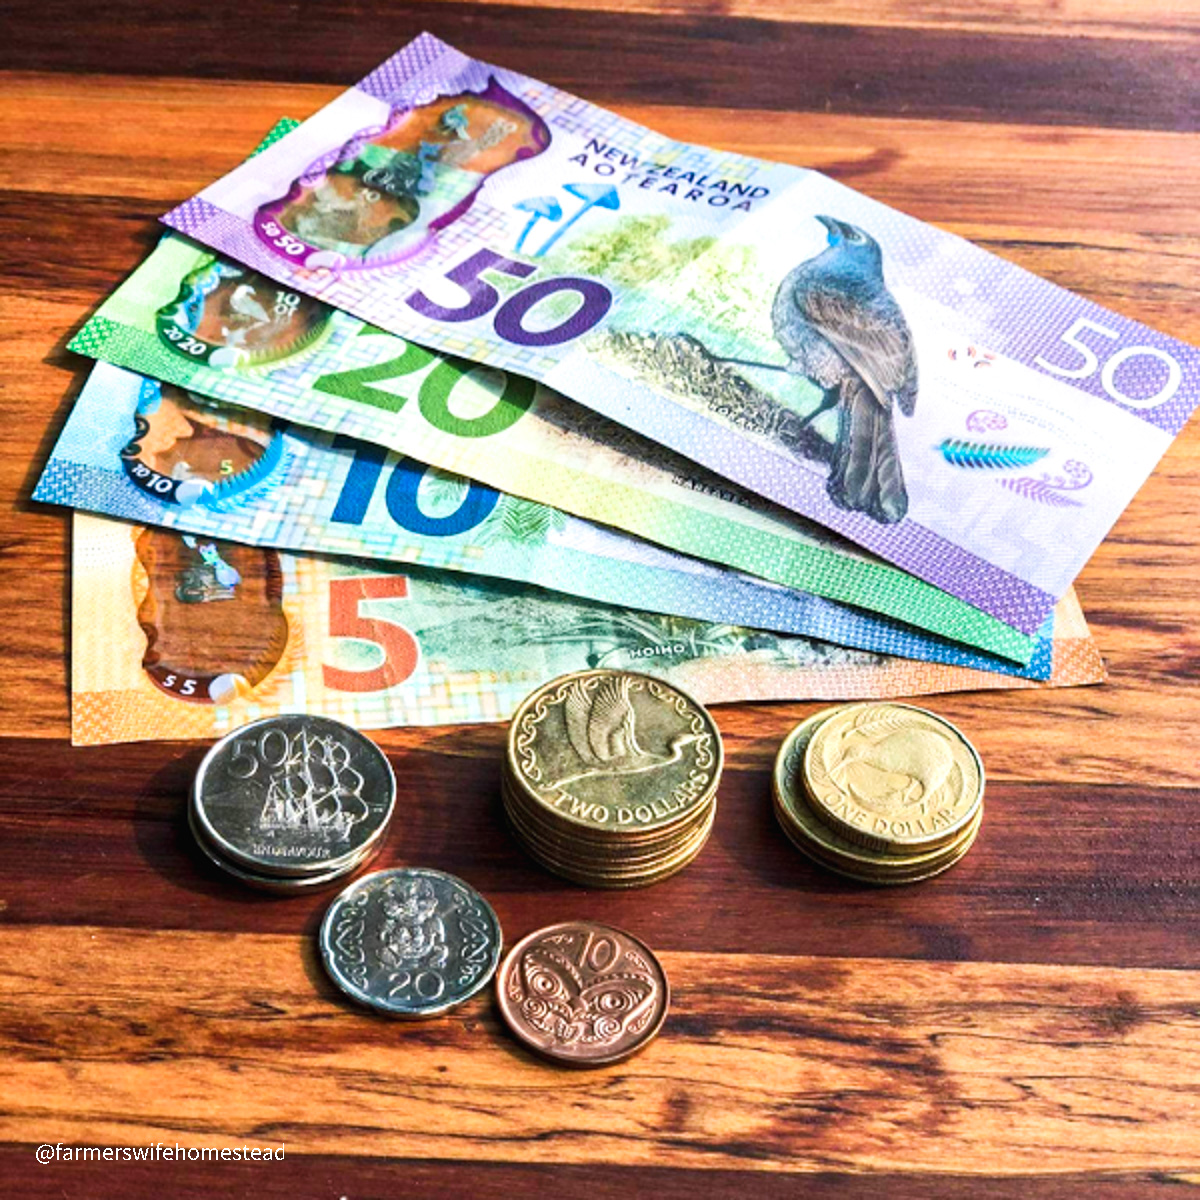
1089,362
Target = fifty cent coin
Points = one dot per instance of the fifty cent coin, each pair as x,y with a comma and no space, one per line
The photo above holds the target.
410,942
294,795
582,994
280,885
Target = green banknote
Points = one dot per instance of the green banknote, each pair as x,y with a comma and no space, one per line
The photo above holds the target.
199,321
179,636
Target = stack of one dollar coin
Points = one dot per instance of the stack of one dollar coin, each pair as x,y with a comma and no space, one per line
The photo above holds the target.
882,793
292,803
611,777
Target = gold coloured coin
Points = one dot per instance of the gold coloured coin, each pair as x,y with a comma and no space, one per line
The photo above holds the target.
628,848
825,846
615,872
893,778
615,750
896,878
836,854
611,778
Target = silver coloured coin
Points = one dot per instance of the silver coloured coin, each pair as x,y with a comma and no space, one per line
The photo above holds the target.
410,941
280,885
294,796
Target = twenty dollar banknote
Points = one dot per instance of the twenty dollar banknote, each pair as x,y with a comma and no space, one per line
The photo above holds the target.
958,416
183,636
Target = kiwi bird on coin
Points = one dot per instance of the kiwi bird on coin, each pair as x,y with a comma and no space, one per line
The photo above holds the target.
602,731
898,771
842,329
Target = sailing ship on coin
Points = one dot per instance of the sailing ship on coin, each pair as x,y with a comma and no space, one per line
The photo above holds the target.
315,790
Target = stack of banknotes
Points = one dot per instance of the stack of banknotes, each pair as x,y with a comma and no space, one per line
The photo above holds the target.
464,383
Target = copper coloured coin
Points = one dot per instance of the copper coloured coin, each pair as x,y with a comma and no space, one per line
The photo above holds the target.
582,994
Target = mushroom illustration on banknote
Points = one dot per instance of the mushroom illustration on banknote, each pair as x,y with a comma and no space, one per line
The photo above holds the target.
387,192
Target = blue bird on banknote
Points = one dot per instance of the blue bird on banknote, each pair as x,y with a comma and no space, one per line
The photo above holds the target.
841,328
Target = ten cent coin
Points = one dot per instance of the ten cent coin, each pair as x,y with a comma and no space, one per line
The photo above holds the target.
582,994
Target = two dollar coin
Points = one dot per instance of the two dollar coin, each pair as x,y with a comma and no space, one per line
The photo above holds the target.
611,777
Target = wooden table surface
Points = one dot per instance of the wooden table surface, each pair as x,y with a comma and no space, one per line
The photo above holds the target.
1028,1025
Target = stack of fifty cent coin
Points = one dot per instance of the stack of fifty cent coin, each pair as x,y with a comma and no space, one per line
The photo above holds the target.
883,793
292,803
611,777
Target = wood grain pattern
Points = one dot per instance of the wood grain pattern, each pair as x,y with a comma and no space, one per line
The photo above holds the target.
622,57
1025,1026
773,1062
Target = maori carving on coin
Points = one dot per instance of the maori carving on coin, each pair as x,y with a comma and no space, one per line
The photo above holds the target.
477,951
348,934
557,998
583,993
410,941
413,934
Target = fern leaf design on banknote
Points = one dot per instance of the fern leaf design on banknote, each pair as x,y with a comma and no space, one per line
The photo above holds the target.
989,456
1053,490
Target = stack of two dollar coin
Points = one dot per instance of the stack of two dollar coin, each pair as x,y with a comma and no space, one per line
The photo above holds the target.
292,803
883,793
611,777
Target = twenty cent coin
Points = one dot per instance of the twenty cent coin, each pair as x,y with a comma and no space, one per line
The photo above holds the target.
582,994
410,942
294,795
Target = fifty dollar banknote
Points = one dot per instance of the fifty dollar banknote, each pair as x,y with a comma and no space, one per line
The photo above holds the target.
949,411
